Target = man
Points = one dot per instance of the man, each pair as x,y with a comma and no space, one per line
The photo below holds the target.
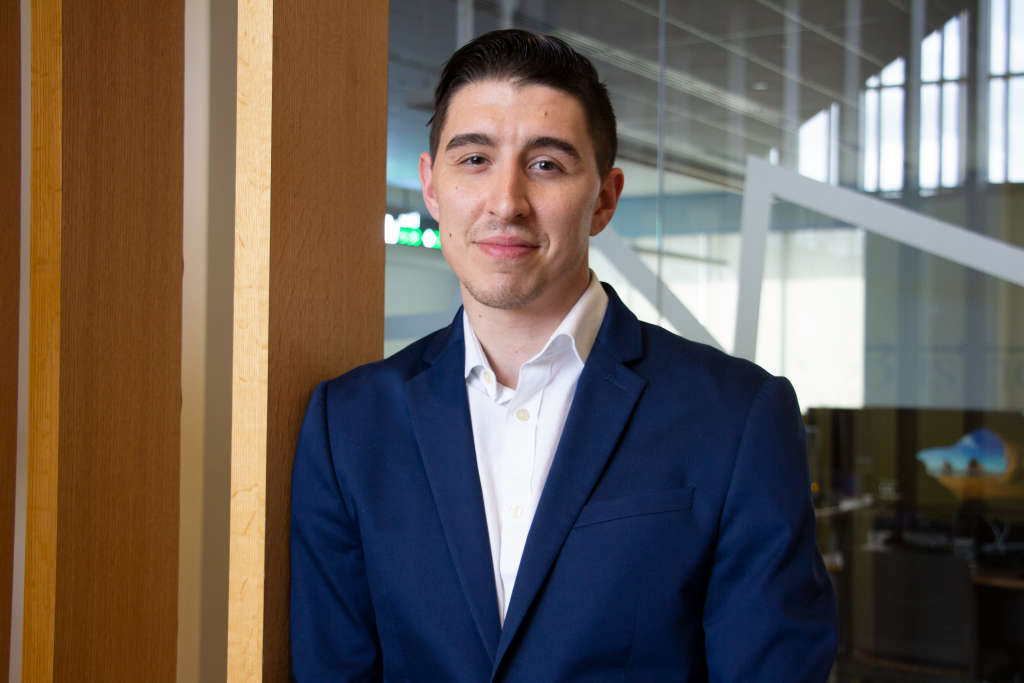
548,489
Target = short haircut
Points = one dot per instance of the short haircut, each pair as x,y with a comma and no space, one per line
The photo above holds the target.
526,58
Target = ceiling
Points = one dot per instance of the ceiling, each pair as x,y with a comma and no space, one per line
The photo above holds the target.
727,78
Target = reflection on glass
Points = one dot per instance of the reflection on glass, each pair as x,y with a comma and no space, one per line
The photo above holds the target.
951,106
1016,36
894,73
997,131
952,59
941,105
999,25
815,148
921,523
930,141
812,309
980,454
1006,101
870,99
883,129
890,158
931,58
1014,130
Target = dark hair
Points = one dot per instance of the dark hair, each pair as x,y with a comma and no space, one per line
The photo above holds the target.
529,59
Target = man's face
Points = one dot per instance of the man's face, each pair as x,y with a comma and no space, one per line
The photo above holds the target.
516,191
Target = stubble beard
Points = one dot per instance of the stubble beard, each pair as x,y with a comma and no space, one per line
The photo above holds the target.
506,297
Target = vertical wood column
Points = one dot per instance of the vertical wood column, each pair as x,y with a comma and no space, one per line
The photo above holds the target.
10,260
44,346
309,272
105,341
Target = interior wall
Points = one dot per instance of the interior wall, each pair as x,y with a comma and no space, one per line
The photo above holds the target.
309,274
10,257
208,251
21,477
101,575
207,294
193,337
220,255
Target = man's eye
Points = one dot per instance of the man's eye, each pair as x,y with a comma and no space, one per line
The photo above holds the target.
475,160
546,166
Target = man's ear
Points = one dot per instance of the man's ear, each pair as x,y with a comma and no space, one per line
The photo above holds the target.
427,180
607,200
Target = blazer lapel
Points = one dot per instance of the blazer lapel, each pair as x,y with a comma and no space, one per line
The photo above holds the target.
605,396
440,417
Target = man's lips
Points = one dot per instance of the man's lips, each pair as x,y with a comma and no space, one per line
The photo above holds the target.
505,247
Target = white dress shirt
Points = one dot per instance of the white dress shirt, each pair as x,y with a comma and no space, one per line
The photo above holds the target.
516,431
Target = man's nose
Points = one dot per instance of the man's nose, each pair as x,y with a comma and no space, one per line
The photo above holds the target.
508,200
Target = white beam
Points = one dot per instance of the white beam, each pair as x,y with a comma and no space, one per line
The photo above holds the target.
765,182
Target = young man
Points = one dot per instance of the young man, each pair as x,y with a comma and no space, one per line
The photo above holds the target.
548,489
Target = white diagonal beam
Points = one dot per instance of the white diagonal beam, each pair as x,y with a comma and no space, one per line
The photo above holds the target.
765,181
640,276
755,219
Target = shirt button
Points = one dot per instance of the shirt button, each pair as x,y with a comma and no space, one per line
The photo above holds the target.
516,511
488,377
522,414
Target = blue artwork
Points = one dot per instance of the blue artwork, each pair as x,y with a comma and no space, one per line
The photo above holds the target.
977,453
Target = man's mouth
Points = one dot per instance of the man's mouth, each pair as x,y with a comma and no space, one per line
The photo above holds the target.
505,247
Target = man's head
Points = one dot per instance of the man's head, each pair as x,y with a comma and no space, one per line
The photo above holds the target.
526,58
519,174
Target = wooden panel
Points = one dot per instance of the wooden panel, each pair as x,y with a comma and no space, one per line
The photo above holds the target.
105,382
44,345
325,299
10,266
326,241
251,318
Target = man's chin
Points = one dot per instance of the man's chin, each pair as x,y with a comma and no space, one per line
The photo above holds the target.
505,298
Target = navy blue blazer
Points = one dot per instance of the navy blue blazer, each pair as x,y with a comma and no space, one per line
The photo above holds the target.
674,539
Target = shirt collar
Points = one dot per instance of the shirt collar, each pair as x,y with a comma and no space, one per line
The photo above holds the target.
580,327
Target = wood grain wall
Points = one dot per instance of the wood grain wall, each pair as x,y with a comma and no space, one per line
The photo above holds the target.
44,345
10,268
105,356
315,224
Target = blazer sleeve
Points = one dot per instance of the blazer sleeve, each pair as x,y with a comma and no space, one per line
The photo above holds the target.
770,613
333,627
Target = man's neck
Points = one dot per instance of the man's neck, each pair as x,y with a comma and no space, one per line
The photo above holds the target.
509,338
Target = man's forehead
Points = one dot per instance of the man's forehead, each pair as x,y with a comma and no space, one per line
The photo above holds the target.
514,109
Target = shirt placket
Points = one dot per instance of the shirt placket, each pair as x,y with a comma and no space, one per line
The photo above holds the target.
519,450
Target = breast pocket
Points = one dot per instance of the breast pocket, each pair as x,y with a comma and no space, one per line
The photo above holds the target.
633,506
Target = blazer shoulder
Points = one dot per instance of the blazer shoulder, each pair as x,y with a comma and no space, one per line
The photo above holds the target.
676,358
386,375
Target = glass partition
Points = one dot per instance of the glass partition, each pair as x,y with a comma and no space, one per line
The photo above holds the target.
907,353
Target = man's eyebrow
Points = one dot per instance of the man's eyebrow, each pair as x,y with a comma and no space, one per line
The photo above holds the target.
464,139
561,145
